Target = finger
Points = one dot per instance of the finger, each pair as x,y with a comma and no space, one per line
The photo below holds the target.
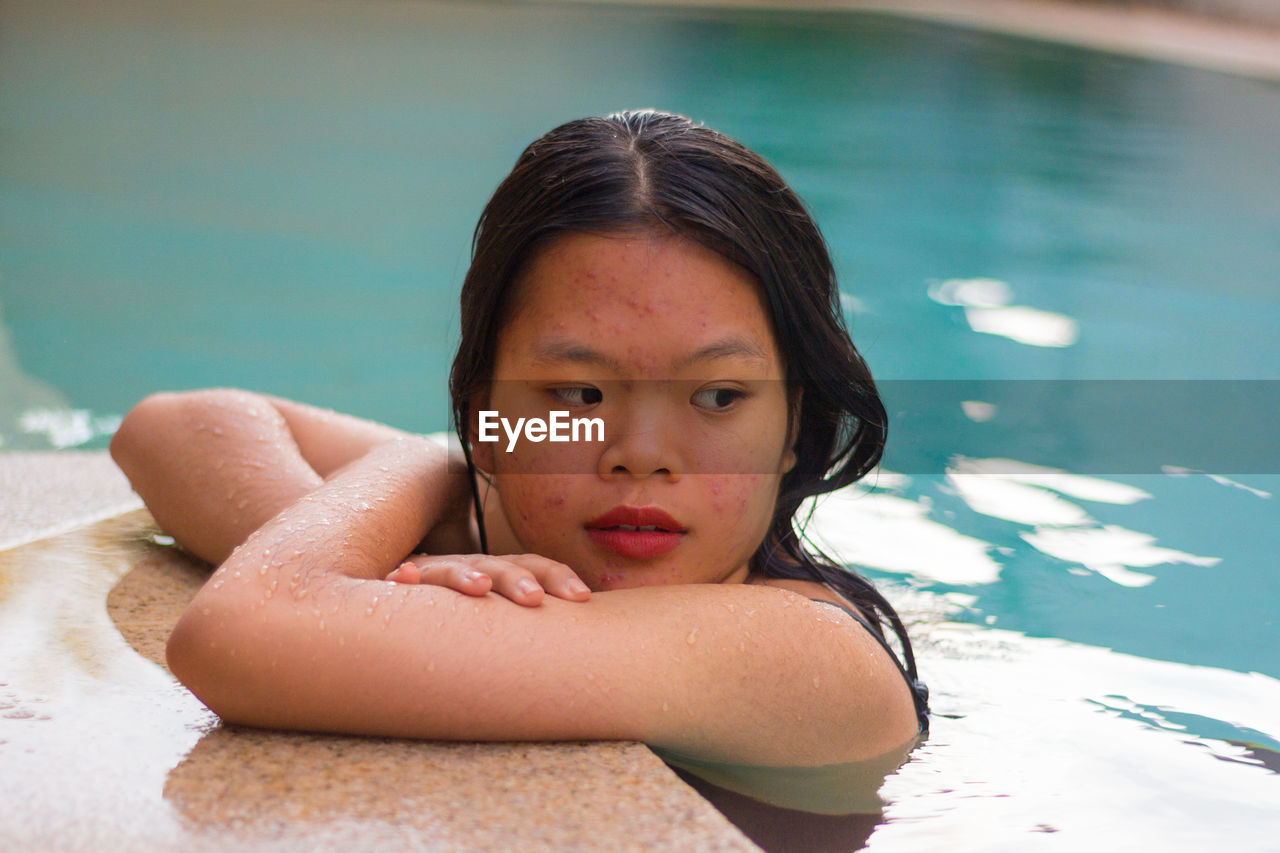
513,581
555,577
475,583
406,572
457,575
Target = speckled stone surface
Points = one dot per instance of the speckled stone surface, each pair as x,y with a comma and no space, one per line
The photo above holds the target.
101,749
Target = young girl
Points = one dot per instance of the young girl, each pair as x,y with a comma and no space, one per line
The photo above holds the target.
647,583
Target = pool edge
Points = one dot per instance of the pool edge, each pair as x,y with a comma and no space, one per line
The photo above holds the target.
1209,43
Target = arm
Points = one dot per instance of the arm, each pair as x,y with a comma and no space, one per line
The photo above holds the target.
214,466
294,632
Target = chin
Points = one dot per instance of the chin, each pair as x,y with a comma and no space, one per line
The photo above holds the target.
633,578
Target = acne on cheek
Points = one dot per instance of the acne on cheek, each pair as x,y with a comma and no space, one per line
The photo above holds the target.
528,505
735,497
718,505
731,498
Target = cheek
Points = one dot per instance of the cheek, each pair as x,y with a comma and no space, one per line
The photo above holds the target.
741,502
528,499
551,461
540,510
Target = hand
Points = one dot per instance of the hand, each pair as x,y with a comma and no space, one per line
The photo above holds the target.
523,578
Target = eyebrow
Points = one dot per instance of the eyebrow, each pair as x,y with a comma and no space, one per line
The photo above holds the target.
556,351
732,347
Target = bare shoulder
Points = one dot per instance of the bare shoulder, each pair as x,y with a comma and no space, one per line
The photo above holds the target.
809,589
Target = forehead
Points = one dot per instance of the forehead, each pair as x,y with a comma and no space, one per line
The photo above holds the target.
650,294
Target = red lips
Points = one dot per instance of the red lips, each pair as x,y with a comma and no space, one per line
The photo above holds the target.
636,532
631,516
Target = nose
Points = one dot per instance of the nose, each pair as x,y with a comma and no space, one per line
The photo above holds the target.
642,445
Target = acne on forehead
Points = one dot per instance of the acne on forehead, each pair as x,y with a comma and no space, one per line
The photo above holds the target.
642,360
641,252
595,264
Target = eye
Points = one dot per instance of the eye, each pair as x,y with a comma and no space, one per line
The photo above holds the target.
717,399
579,396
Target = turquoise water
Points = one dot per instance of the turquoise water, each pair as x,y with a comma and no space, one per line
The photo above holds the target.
280,197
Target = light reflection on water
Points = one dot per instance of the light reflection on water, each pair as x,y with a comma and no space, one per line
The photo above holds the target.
987,309
1042,742
1033,748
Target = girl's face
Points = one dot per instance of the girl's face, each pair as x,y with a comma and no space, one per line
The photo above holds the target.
671,347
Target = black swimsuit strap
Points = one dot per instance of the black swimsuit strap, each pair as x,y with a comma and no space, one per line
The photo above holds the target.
919,690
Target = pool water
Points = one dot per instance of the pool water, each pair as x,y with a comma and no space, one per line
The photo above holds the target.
1064,267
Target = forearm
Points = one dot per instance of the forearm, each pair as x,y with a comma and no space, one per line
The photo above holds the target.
214,466
361,523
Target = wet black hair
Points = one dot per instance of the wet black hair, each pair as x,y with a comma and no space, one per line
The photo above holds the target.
652,170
